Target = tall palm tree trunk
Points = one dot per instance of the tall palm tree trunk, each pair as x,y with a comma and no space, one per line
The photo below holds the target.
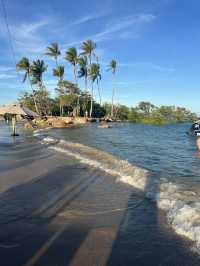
76,82
34,99
75,75
44,100
91,101
86,81
61,112
113,95
99,91
56,61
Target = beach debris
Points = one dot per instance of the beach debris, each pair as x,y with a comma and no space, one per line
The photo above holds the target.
104,126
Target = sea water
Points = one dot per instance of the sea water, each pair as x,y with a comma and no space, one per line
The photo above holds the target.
159,161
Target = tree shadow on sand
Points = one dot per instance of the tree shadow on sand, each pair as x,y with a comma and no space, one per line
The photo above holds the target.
27,211
13,157
32,234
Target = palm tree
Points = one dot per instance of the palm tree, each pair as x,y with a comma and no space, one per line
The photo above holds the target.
94,74
72,89
98,81
88,48
53,51
59,72
83,69
37,69
72,57
112,66
24,65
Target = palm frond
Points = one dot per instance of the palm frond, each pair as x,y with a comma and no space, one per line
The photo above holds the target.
59,72
71,55
53,50
88,47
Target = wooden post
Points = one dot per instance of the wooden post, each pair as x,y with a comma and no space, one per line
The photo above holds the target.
14,126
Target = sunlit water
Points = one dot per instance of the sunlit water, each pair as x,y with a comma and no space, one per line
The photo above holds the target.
166,150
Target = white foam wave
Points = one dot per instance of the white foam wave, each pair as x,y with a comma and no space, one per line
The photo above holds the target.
182,206
39,132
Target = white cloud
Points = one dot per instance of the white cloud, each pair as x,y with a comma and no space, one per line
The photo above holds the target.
6,68
121,28
31,38
7,73
7,76
89,17
29,31
28,38
148,65
121,24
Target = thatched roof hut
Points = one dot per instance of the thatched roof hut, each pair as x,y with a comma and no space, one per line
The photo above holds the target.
14,110
17,109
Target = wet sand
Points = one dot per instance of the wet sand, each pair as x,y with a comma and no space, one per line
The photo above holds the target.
56,211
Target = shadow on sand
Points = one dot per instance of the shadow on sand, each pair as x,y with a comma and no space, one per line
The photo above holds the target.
32,233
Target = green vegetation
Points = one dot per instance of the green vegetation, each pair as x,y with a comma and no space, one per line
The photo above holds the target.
70,100
148,113
112,66
144,112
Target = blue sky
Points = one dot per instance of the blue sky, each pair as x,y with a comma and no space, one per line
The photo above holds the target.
156,44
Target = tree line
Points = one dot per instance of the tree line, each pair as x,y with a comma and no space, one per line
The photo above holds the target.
70,99
148,113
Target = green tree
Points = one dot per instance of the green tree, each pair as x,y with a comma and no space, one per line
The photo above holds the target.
53,51
145,107
98,110
69,101
27,100
24,65
94,73
83,69
72,57
134,115
88,47
84,102
59,72
122,112
99,81
37,69
113,66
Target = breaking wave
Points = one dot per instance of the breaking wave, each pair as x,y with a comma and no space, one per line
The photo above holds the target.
181,205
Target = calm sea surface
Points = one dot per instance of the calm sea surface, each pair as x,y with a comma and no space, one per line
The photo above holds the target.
167,150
